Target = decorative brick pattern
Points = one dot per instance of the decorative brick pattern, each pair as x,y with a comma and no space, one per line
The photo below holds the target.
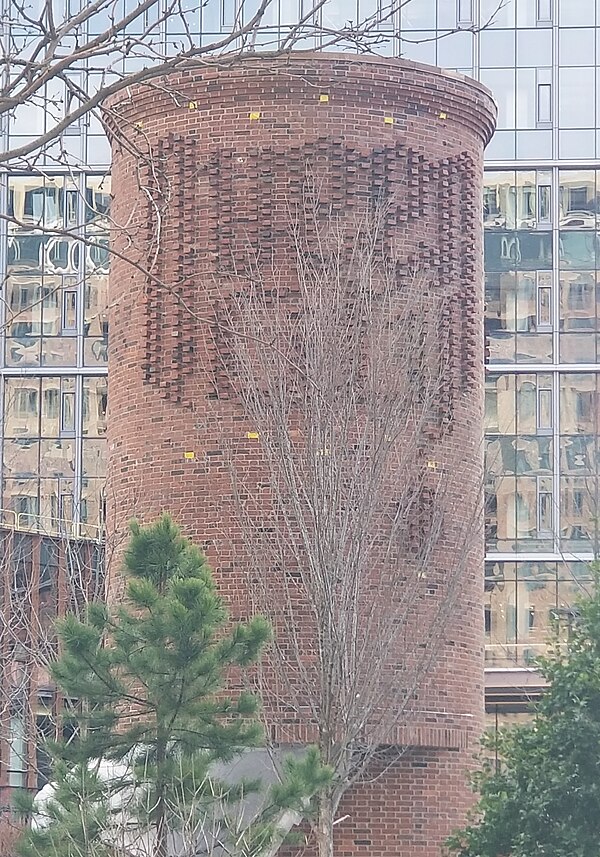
212,191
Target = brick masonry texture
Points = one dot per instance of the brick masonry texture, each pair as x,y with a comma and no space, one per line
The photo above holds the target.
208,163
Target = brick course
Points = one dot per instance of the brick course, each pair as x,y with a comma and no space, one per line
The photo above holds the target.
209,162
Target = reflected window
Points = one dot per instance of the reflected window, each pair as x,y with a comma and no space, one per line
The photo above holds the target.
51,400
579,510
544,306
49,553
578,199
69,312
516,200
97,200
40,206
578,404
545,507
26,402
67,413
579,299
17,752
26,507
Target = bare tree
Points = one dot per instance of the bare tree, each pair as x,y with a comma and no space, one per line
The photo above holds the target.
61,62
344,376
43,576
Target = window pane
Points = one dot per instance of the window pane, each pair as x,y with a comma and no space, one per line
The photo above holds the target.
534,144
497,48
576,13
573,110
579,302
578,404
17,762
579,508
67,416
578,199
418,15
526,108
534,48
576,144
502,84
577,46
544,105
455,51
496,15
578,250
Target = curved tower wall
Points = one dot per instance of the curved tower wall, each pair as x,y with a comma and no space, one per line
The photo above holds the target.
208,164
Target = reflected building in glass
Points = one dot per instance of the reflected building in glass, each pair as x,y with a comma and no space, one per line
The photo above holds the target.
54,352
541,212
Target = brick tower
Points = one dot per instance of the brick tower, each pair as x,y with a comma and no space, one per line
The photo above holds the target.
209,165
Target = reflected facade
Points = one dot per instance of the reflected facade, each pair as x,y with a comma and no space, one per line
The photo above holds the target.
541,212
54,353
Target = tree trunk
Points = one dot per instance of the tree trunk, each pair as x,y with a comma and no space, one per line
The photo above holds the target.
160,819
324,824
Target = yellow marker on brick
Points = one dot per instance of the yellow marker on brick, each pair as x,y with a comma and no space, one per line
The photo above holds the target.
388,120
254,115
252,435
432,465
192,105
443,115
189,456
323,98
139,124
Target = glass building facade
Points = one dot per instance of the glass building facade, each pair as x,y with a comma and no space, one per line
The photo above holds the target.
54,351
541,210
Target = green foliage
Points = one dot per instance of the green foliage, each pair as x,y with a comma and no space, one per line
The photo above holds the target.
542,796
147,687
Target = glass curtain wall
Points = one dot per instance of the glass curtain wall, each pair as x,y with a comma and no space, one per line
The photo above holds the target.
54,351
541,213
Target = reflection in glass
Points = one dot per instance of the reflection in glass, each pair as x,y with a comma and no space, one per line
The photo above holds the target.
96,321
579,203
520,513
578,249
577,348
524,251
579,403
579,510
521,304
94,406
46,295
579,454
579,300
522,601
510,200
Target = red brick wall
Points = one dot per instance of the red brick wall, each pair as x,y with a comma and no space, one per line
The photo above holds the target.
213,162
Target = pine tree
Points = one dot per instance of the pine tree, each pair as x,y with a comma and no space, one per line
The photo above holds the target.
146,682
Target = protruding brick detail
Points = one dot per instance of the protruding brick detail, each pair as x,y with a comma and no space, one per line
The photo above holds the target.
201,191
